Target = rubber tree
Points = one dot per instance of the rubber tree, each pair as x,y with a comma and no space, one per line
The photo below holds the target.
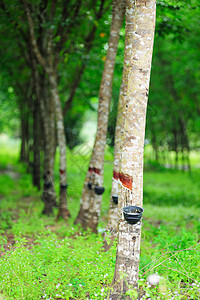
50,68
131,172
113,208
40,105
91,201
36,143
46,108
54,23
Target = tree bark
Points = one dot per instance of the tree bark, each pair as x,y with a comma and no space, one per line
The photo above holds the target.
131,173
185,145
63,210
36,144
174,131
48,133
23,140
49,195
113,209
91,202
50,69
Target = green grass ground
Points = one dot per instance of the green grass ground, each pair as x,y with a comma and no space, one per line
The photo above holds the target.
42,259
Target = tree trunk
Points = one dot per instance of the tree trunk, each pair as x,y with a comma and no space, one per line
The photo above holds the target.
113,209
184,142
49,196
63,210
91,202
36,144
131,174
27,139
174,131
23,141
47,64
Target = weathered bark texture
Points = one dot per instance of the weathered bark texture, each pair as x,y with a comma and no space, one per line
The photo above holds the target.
91,202
131,173
113,209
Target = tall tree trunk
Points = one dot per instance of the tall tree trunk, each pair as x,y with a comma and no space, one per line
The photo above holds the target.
49,67
91,202
184,142
23,140
36,144
113,208
48,194
63,210
27,138
183,125
131,174
174,131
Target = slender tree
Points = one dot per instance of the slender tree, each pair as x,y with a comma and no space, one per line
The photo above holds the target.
131,173
50,67
91,201
46,109
40,108
51,24
113,209
36,143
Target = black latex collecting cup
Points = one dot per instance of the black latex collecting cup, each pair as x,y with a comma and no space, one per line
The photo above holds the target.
133,214
99,190
63,186
47,185
89,185
115,199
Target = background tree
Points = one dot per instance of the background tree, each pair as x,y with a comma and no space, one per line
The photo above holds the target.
113,208
52,27
91,201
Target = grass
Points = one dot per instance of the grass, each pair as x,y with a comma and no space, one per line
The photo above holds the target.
42,259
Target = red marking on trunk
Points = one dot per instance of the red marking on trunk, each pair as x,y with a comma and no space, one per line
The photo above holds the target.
126,180
115,175
62,172
97,171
